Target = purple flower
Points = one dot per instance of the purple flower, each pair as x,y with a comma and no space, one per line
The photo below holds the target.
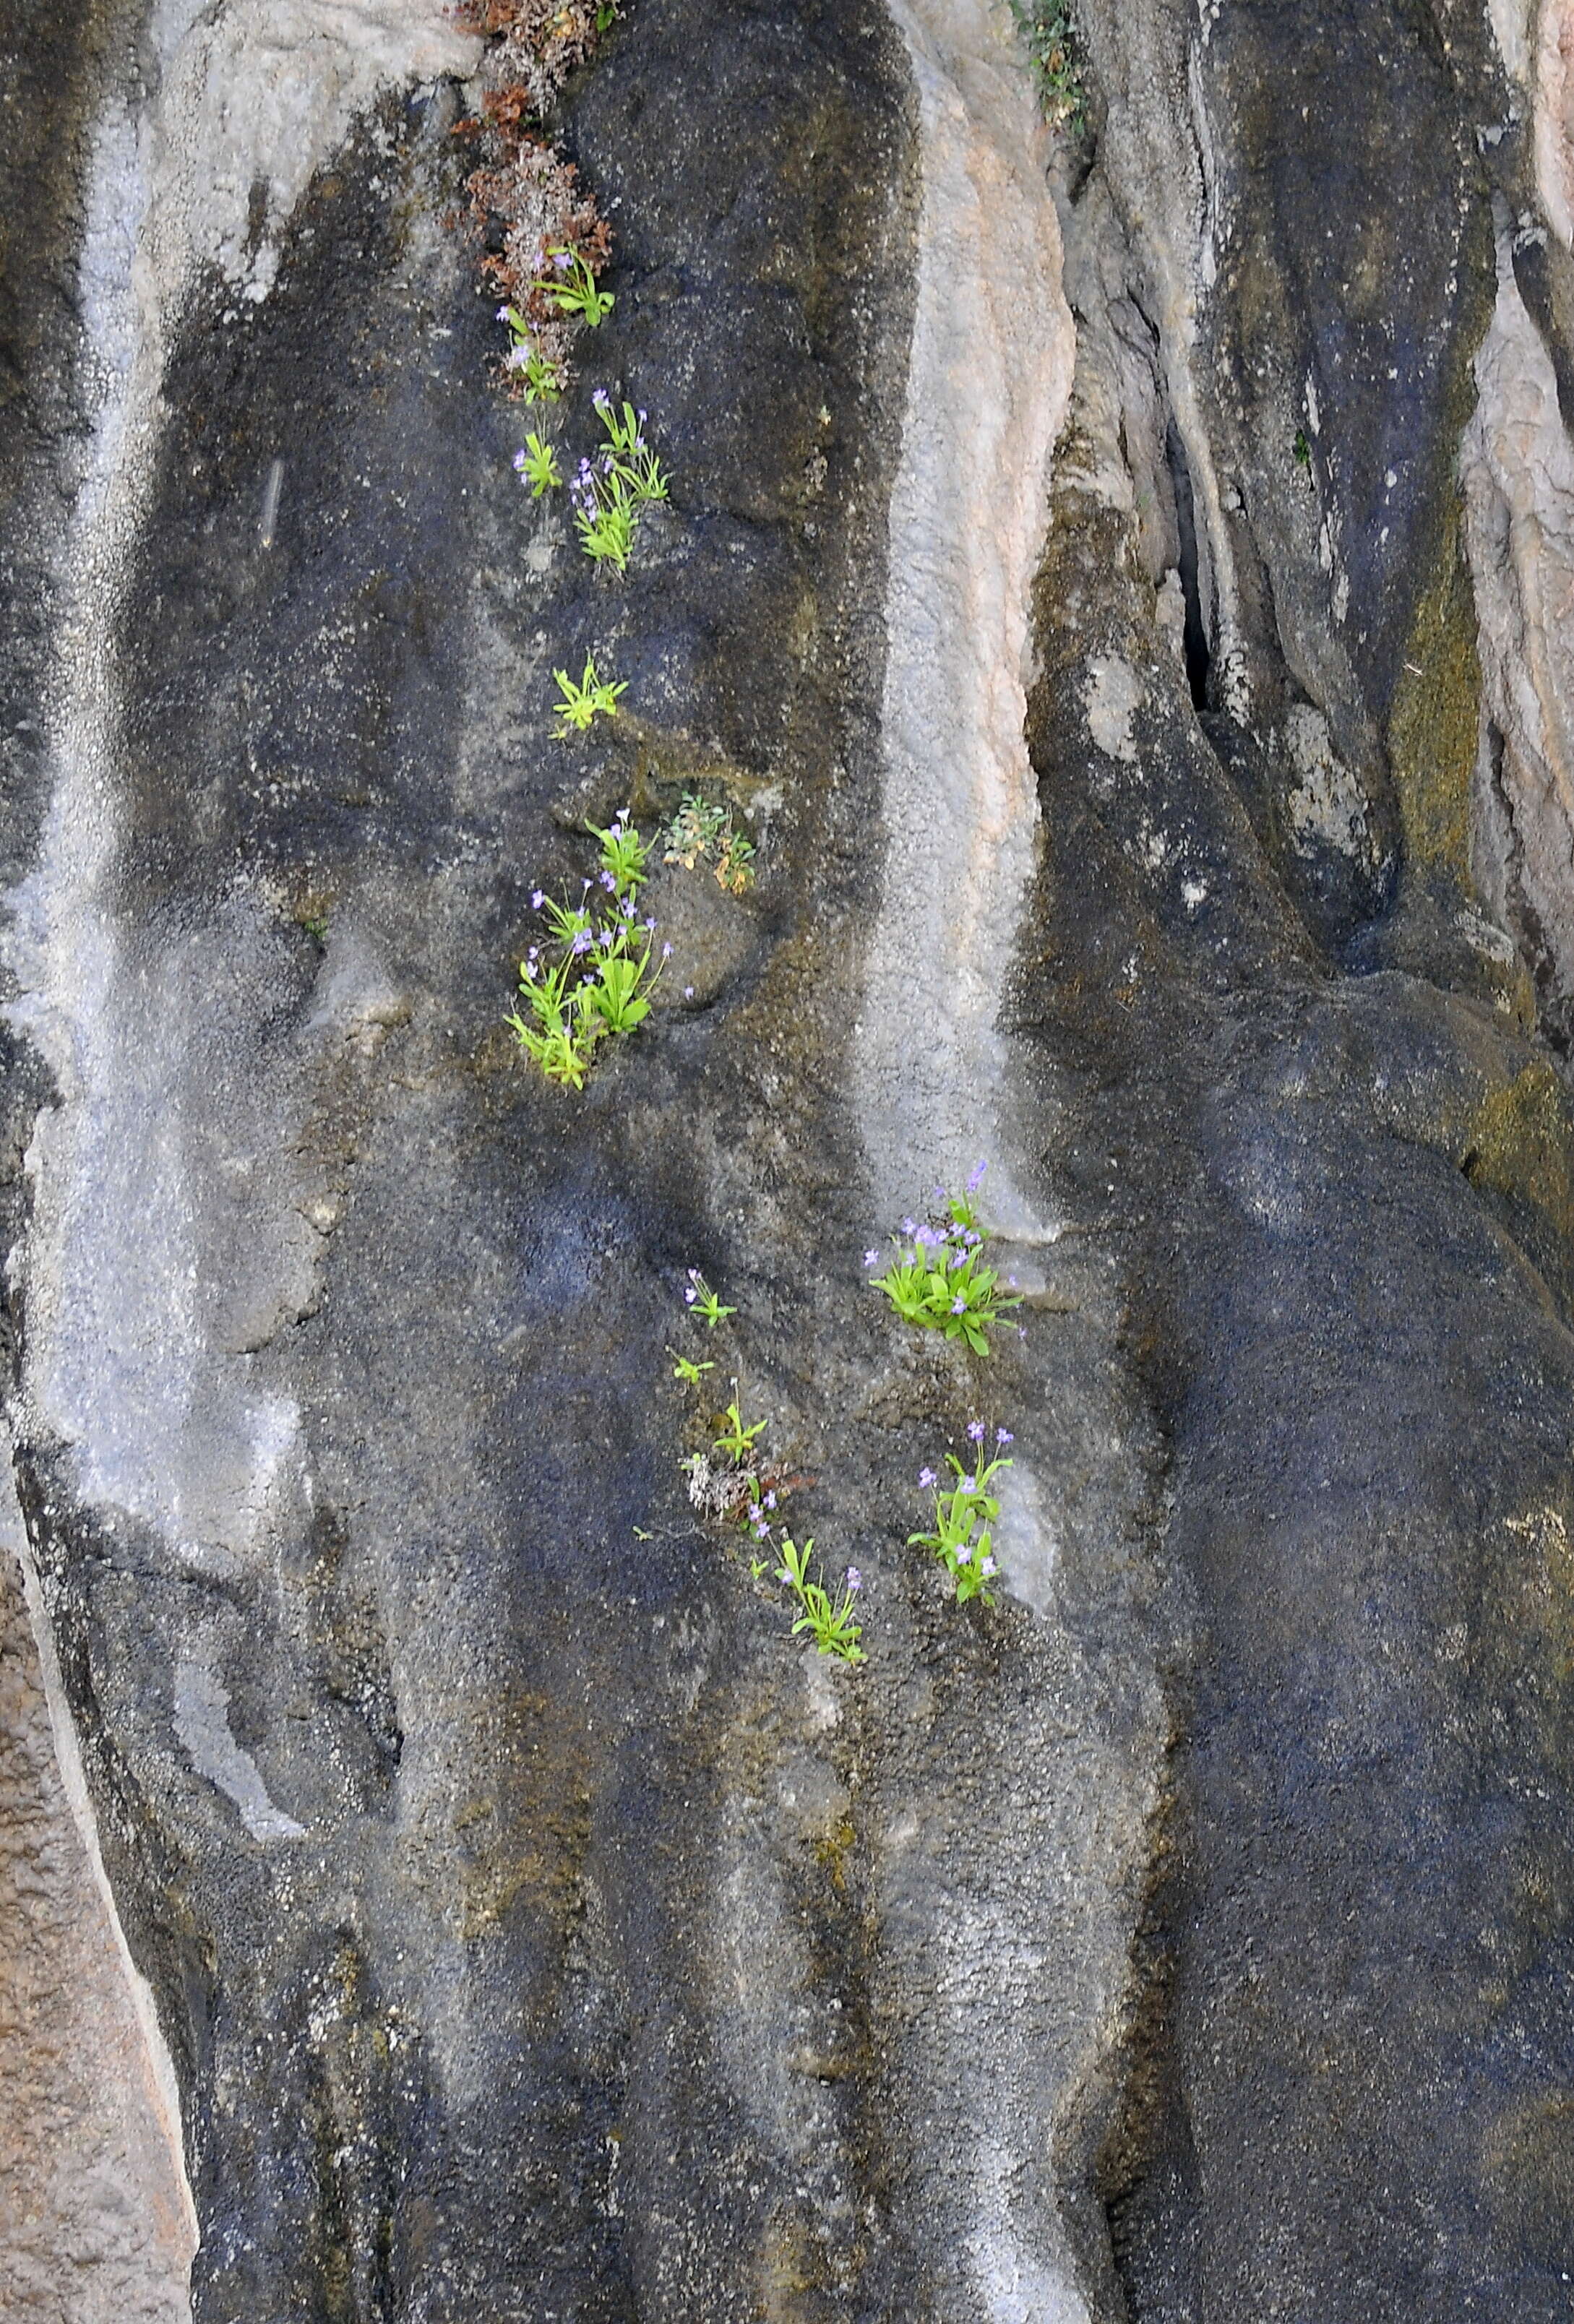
643,417
854,1578
650,923
537,897
608,881
560,261
691,1294
1004,1436
925,1475
975,1429
910,1227
688,991
964,1554
761,1530
606,935
770,1500
975,1176
518,464
959,1305
627,908
666,949
989,1566
872,1258
580,942
502,314
966,1484
615,828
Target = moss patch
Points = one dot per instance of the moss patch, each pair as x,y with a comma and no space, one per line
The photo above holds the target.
1433,729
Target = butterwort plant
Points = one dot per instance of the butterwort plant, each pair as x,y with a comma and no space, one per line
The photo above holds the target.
590,978
965,1511
937,1276
828,1619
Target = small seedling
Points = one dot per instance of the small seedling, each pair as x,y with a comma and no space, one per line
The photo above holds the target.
703,1300
829,1621
937,1277
690,1373
581,703
736,1439
537,463
572,287
964,1515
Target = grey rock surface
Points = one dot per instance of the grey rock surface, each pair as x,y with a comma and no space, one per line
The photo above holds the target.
1119,575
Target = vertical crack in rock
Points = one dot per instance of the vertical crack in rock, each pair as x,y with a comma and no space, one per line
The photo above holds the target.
990,374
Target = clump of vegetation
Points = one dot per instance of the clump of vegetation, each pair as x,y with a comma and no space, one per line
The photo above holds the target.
610,492
1048,28
701,832
937,1277
581,699
591,977
964,1514
543,240
731,1481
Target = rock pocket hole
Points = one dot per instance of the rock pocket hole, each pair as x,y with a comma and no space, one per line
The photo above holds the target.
1199,655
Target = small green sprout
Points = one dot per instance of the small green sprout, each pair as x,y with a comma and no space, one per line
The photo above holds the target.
829,1621
964,1517
736,1439
537,463
573,288
703,1300
580,703
688,1372
605,15
701,831
937,1277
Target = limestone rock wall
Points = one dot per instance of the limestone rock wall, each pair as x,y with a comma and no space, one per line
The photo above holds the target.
1118,575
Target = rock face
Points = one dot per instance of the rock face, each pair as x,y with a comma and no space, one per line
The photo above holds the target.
1119,575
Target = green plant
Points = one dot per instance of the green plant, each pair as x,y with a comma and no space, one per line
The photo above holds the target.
599,983
703,1300
580,703
829,1621
937,1277
700,831
542,378
735,1438
1048,28
572,289
537,463
687,1371
964,1515
610,492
